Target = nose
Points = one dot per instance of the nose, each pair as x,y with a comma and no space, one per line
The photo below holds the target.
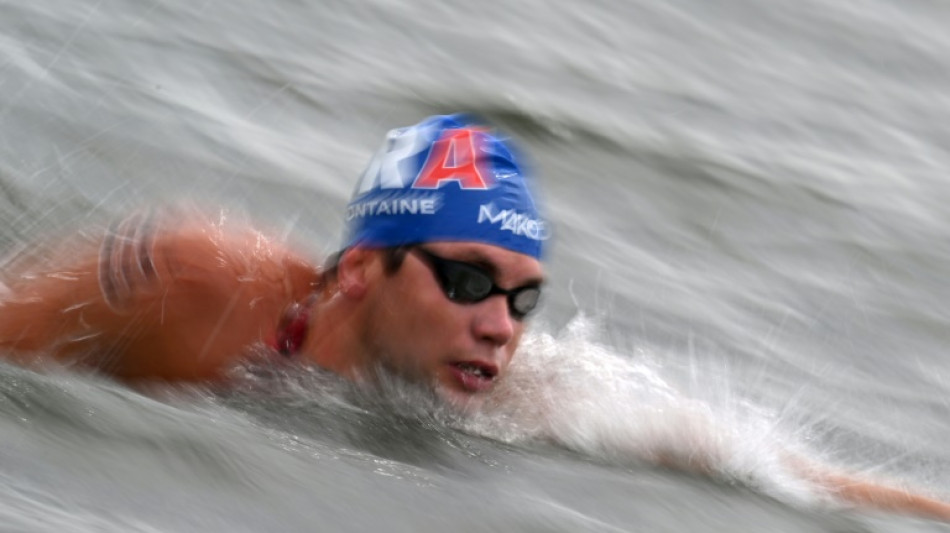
492,322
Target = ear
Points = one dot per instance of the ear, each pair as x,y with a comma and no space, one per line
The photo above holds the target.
353,271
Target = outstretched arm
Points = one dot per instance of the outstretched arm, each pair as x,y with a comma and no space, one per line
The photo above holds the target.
845,488
867,493
154,299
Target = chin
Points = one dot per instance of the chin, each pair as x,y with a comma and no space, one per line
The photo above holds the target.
464,402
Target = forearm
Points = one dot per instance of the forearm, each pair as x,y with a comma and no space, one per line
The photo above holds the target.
852,489
876,495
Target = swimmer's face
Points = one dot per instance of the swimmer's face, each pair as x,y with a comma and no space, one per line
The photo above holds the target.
414,329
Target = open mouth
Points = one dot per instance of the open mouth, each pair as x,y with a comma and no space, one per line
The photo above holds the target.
474,376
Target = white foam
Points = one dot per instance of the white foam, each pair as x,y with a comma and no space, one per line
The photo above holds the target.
576,392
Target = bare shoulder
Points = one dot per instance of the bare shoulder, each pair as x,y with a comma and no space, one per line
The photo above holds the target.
192,249
160,295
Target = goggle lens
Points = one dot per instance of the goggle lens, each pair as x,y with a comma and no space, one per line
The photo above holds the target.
467,283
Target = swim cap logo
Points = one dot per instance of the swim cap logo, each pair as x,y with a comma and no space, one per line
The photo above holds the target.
454,157
386,170
513,221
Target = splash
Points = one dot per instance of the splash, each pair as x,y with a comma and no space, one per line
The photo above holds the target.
570,390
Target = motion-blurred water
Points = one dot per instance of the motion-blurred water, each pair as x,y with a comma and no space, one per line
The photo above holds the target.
752,237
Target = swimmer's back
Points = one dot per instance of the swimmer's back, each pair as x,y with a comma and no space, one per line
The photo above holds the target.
156,299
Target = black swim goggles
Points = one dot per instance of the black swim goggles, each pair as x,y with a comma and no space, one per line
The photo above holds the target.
469,283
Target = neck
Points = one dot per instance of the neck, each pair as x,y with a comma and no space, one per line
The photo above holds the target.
332,340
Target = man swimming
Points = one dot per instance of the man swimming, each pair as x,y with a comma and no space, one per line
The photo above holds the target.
439,270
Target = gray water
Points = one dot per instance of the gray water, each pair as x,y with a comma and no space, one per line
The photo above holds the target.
751,241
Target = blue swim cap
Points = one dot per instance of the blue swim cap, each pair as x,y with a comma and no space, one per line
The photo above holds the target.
445,179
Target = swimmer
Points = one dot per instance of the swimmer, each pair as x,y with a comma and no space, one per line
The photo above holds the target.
438,274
